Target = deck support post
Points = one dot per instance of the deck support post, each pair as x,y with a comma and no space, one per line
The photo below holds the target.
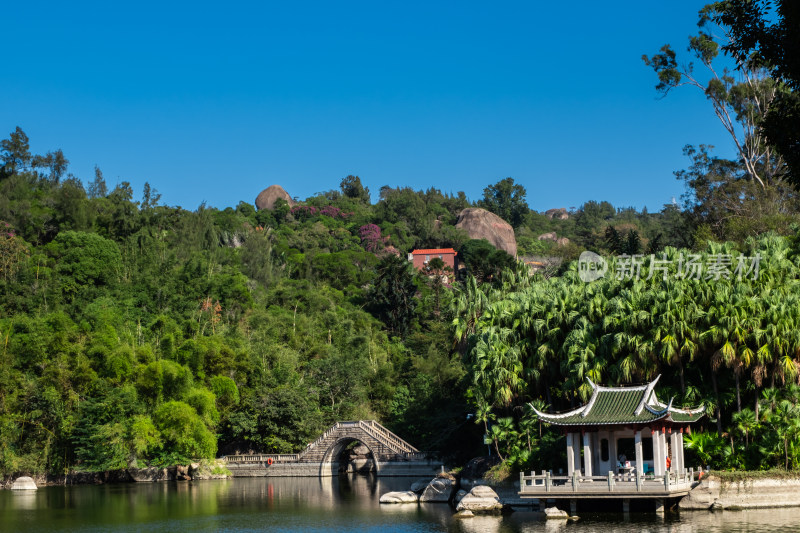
626,506
573,507
660,506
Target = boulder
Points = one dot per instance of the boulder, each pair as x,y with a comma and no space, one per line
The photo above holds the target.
559,213
465,514
24,483
440,490
476,469
419,486
551,236
360,449
480,499
400,497
482,224
266,198
216,469
182,473
555,513
460,495
149,474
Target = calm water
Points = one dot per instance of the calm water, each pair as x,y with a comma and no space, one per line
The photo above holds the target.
303,504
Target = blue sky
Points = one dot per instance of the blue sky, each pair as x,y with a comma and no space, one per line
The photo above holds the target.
215,101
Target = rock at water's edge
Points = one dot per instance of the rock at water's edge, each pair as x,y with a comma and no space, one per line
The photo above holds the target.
419,486
24,483
439,490
400,497
480,499
464,514
555,513
460,495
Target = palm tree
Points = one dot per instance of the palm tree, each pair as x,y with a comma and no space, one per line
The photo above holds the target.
746,423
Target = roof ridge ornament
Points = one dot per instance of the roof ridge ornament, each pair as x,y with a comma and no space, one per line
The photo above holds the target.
595,392
646,395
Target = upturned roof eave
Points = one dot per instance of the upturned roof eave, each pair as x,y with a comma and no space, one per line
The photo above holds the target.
649,403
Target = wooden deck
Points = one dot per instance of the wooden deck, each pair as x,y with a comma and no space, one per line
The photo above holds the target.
611,486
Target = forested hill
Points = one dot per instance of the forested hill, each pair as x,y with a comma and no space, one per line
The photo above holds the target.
138,333
134,331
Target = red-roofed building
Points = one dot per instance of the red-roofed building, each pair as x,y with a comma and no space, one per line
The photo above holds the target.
420,258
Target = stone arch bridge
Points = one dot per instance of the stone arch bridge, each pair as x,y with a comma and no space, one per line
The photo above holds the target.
390,455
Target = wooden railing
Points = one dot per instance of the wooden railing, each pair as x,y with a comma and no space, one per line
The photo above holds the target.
548,483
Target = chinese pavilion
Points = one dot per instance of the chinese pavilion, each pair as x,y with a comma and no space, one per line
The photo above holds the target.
624,429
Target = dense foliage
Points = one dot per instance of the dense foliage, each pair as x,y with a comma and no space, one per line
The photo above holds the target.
138,333
717,336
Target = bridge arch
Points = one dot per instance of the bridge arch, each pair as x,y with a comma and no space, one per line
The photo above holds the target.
391,455
330,463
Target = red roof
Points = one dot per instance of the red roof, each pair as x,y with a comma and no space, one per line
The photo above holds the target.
433,251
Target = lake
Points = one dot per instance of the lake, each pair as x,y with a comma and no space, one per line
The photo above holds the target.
310,504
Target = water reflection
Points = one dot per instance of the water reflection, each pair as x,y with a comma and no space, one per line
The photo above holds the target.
328,504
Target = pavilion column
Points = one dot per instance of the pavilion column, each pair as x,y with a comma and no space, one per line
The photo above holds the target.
570,454
679,453
612,450
658,453
675,466
576,450
587,454
637,441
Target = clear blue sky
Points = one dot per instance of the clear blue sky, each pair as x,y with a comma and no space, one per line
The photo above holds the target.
215,101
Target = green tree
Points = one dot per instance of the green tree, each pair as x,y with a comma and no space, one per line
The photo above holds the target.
484,261
506,200
741,105
184,432
85,261
97,187
15,152
392,296
764,32
351,188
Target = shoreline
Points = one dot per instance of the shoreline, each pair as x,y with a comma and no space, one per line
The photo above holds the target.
740,491
718,492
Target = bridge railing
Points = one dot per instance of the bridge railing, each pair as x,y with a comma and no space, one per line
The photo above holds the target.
381,433
263,458
403,449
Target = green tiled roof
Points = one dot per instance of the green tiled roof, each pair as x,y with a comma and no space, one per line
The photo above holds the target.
622,405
